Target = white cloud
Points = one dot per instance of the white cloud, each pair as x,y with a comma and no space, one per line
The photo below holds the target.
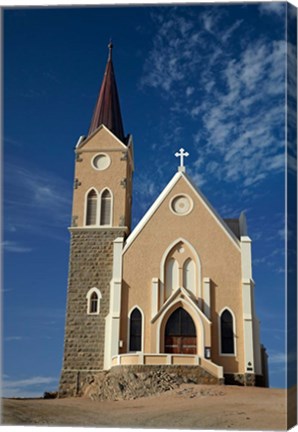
240,104
281,358
33,381
12,338
189,91
27,387
34,201
225,36
275,8
277,357
12,246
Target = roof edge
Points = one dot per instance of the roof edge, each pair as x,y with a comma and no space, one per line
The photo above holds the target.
150,212
102,126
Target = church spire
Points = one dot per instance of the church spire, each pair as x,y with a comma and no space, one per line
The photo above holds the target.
107,109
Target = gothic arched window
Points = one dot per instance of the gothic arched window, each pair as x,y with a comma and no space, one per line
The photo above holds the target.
93,301
172,276
91,208
106,208
227,332
189,278
135,331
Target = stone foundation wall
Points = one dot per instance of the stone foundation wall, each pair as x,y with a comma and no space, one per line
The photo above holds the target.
91,262
131,382
245,380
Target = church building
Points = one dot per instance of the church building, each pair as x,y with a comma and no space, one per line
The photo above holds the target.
176,290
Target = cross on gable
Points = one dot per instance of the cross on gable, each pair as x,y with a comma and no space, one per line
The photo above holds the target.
182,154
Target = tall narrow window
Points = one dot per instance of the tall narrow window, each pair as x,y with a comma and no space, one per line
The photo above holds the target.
93,301
106,207
227,333
172,276
135,336
91,208
189,280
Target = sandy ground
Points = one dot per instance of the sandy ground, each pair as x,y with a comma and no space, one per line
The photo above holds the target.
189,407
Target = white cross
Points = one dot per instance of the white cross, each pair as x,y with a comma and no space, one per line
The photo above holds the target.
182,154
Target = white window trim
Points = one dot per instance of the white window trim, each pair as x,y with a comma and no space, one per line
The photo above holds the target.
86,206
197,261
99,208
234,333
128,328
88,297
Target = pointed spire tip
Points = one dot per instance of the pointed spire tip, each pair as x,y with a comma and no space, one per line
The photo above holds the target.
110,46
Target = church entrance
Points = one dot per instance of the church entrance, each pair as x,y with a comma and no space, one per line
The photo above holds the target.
180,333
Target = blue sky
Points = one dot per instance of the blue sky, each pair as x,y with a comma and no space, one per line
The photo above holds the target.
209,78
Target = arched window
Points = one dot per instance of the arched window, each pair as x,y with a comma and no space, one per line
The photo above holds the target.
135,331
227,332
172,276
106,207
189,278
93,301
91,208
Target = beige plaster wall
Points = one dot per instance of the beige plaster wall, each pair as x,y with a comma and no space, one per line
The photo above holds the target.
220,261
120,168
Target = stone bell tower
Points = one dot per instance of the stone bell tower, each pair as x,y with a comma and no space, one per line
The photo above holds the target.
101,219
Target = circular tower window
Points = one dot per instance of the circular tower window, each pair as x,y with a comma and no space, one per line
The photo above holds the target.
101,161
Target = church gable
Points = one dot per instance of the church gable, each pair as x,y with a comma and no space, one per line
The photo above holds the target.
182,206
101,139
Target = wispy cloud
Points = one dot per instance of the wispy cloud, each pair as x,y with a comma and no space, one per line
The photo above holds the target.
237,103
34,201
278,358
12,338
29,387
13,246
275,8
145,192
38,380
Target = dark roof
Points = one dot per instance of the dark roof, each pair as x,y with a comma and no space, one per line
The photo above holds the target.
234,226
107,109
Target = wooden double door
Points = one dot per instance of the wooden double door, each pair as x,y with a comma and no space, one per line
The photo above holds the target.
180,333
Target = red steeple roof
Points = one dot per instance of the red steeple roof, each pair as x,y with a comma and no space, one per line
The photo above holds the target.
107,109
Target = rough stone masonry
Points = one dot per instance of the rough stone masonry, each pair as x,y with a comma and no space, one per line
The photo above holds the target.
91,263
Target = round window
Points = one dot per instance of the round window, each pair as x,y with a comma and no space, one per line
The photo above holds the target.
181,205
101,161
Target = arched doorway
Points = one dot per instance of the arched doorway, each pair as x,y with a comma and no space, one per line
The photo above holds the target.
180,333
